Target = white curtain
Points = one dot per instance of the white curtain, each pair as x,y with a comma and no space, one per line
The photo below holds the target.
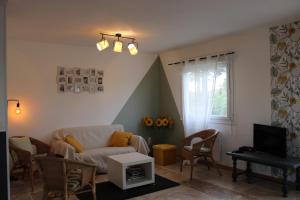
198,82
198,86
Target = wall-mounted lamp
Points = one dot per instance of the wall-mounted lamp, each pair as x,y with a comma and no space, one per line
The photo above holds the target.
18,109
118,44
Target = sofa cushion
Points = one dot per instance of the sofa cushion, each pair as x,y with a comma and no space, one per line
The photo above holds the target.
70,139
91,137
120,139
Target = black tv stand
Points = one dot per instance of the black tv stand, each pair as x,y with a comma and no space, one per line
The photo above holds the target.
266,159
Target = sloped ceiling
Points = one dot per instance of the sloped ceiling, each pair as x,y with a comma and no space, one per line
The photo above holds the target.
158,25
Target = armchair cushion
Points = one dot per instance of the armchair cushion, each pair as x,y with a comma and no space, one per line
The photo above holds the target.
202,149
22,143
196,140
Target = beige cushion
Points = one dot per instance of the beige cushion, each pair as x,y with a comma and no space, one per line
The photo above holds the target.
202,149
22,143
196,140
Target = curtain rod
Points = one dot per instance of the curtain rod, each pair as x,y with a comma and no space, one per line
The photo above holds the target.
202,58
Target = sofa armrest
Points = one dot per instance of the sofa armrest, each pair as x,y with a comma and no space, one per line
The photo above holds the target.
140,144
60,147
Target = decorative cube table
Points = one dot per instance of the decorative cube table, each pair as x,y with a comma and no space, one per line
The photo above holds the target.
119,165
164,154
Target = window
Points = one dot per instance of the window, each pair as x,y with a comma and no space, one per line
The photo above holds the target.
221,107
206,92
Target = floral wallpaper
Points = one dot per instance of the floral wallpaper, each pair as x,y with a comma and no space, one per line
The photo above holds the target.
285,73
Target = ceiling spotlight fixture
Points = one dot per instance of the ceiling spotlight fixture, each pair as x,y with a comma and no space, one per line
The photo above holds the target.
102,44
133,48
118,44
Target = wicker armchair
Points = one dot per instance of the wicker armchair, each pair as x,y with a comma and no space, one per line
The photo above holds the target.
193,149
25,161
67,176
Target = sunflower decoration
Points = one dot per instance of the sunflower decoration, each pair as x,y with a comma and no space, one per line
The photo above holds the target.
171,123
158,122
148,121
165,121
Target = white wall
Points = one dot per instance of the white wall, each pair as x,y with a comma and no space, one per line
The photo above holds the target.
251,81
31,78
3,105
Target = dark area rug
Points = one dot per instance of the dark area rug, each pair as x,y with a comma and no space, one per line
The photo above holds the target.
108,191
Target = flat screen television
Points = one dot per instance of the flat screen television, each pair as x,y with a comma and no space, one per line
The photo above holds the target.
269,139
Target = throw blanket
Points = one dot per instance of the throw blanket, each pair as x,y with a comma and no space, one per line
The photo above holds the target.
99,155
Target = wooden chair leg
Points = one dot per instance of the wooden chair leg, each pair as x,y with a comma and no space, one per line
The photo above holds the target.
181,164
215,165
94,193
31,178
207,163
45,193
192,167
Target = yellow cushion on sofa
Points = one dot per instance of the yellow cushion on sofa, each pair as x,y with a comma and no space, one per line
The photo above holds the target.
120,139
72,141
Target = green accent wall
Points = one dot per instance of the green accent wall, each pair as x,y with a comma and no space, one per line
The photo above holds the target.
168,108
152,97
145,100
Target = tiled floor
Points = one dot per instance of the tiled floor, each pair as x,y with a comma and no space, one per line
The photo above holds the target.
207,185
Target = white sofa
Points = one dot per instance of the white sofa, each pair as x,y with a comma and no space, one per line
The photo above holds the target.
95,141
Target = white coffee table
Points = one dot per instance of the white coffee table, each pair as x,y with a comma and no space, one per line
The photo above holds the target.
117,165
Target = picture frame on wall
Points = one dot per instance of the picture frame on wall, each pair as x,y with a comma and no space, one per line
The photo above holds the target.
69,71
77,88
100,88
76,71
92,80
85,80
61,71
61,88
78,80
100,80
92,72
84,72
92,88
100,73
61,79
85,88
70,79
69,88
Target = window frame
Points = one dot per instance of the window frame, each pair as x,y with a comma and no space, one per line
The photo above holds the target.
229,118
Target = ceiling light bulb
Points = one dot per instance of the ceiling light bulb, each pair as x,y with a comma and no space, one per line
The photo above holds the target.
18,111
132,49
118,46
103,44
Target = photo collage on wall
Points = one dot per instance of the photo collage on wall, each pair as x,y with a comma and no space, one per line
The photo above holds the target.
79,80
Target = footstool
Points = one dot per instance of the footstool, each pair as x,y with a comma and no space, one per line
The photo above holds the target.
164,154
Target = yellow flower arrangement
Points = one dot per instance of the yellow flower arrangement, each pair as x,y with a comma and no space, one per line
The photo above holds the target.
158,122
165,121
148,121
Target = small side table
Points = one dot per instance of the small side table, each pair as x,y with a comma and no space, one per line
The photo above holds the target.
117,165
164,154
